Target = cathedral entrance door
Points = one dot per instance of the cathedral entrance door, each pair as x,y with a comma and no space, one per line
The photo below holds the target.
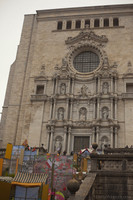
81,142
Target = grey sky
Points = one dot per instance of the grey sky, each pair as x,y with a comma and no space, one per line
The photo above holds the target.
11,20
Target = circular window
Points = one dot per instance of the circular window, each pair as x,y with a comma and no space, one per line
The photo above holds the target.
86,61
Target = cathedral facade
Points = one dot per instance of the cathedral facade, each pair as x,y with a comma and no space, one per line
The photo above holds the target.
72,81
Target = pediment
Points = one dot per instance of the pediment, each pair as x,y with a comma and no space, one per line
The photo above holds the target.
87,36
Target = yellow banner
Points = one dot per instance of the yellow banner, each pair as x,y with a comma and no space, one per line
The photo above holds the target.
45,192
1,165
8,151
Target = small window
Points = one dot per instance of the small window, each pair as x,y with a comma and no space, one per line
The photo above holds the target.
40,89
115,22
78,24
96,23
87,23
129,87
106,22
69,24
59,25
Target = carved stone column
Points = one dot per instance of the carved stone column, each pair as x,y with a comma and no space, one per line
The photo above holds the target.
82,23
64,25
98,108
111,137
73,81
69,86
111,108
111,85
93,135
56,87
115,84
51,139
48,138
94,109
54,109
51,108
71,108
67,106
116,137
99,81
115,109
97,134
68,142
65,135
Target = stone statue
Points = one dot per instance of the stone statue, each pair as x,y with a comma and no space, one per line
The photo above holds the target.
105,113
58,145
84,90
60,113
63,88
82,114
105,88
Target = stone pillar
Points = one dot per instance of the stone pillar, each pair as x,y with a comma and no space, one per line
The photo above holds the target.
64,25
54,109
98,108
115,85
69,86
73,24
94,108
99,87
82,23
56,87
93,135
51,139
69,139
111,137
111,108
73,85
116,137
97,135
67,106
91,23
101,22
71,108
48,138
111,22
51,108
111,85
115,109
65,135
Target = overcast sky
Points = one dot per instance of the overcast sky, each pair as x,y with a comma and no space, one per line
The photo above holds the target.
11,20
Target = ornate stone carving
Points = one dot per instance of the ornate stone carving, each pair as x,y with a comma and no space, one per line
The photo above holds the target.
85,36
105,88
82,114
61,113
105,113
84,90
58,144
63,88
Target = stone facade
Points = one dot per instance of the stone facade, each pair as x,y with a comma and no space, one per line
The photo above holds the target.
51,101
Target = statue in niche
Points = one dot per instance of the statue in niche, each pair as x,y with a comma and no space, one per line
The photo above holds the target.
58,145
63,88
82,114
60,113
105,88
104,142
105,113
84,90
